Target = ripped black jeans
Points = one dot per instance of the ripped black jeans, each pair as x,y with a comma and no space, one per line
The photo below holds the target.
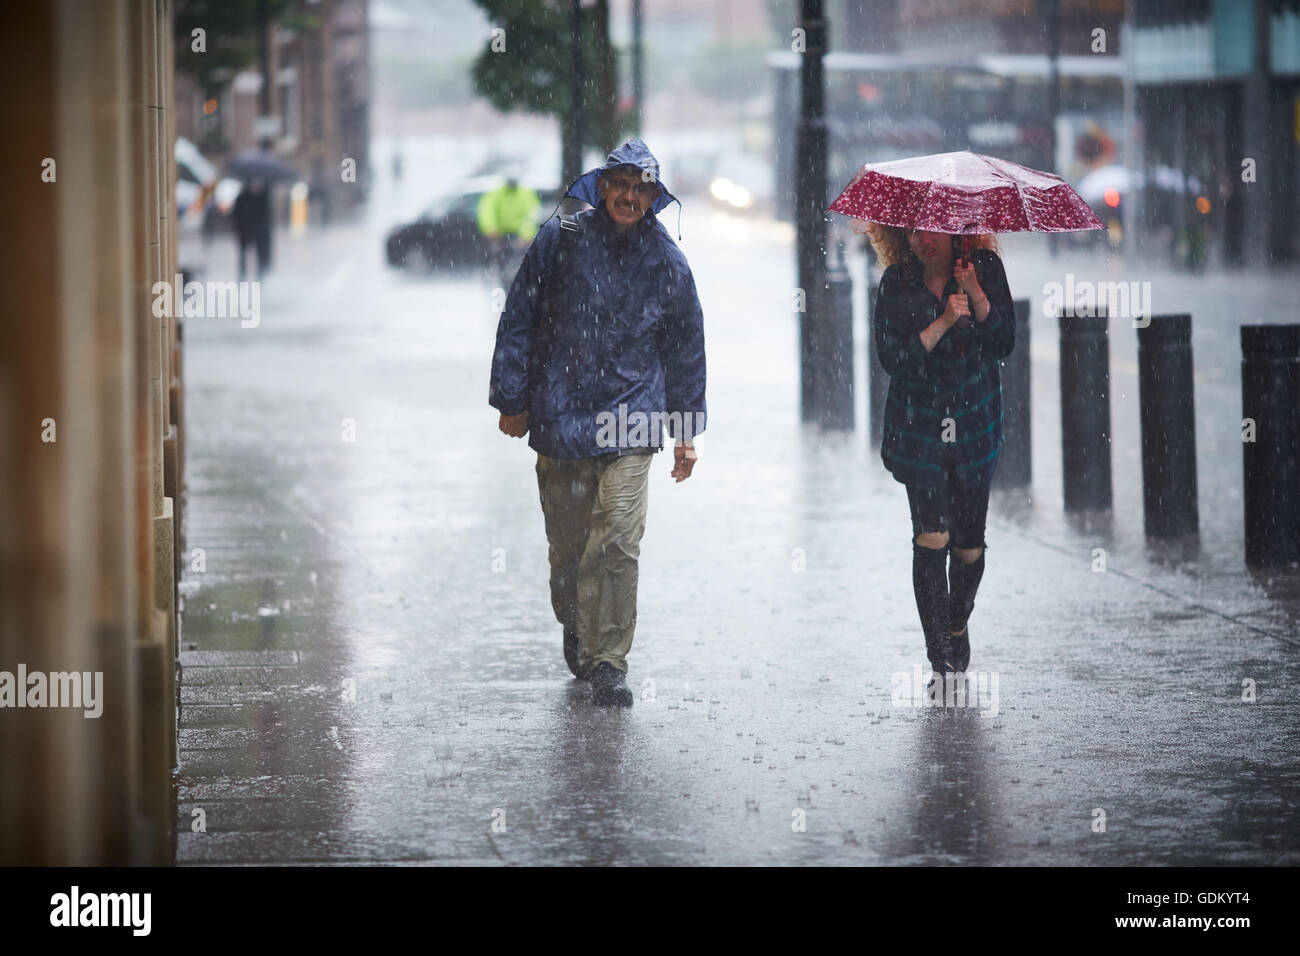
945,587
958,509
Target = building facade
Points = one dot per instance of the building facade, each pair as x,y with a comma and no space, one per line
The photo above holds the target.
1026,81
1219,97
91,436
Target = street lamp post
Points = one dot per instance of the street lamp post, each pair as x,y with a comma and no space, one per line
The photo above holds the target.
810,203
573,134
638,66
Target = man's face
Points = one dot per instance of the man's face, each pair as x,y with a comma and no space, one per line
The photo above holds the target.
627,196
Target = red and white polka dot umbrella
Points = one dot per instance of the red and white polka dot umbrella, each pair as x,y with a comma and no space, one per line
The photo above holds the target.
964,193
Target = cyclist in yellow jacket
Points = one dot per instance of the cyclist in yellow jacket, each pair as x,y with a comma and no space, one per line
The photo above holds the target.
507,216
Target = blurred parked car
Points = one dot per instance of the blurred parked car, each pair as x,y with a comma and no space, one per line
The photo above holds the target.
742,183
689,171
445,235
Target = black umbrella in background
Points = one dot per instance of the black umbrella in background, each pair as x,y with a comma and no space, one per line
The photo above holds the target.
258,164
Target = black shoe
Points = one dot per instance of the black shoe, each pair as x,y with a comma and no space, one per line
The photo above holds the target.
960,649
940,651
571,653
609,686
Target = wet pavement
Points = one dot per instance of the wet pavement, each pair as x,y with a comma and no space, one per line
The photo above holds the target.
372,671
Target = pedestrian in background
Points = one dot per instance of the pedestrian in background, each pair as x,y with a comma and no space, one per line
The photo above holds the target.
252,220
942,324
602,325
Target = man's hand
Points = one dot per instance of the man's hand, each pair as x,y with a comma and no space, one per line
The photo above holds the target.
516,426
684,457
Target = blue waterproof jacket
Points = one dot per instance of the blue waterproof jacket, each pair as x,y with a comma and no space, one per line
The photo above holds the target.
602,333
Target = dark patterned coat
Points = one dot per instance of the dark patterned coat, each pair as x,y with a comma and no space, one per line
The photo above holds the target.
954,391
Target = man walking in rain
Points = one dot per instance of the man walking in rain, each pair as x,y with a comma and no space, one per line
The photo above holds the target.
601,343
252,219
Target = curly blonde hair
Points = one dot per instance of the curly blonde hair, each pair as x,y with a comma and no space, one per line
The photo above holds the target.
890,242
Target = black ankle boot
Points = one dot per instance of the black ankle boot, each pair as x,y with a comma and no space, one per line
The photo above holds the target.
959,645
609,686
964,581
930,585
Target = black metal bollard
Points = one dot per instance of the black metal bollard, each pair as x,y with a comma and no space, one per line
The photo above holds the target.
1085,412
1167,407
836,405
1015,460
1270,411
877,379
811,148
810,347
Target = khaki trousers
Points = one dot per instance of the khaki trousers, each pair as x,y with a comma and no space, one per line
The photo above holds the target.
595,512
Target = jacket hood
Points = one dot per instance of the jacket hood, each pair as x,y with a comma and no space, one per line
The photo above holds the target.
633,153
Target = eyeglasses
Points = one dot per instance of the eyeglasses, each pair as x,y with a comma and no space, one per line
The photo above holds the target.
642,189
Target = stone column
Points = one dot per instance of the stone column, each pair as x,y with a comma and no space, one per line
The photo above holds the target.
76,555
154,659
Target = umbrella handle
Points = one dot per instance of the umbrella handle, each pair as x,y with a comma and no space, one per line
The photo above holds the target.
961,253
960,248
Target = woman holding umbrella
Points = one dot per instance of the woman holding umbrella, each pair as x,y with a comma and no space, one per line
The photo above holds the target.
943,321
942,325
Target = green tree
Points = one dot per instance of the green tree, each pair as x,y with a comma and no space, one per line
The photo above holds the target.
533,72
229,34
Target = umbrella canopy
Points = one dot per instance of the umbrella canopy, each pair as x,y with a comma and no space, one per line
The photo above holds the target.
257,164
964,193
